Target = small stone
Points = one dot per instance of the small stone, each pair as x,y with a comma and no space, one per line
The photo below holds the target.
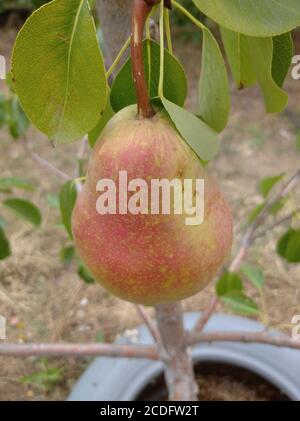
84,302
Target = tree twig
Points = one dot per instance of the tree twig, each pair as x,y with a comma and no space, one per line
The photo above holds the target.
276,224
247,240
91,349
246,337
206,315
82,149
149,323
44,163
249,236
141,351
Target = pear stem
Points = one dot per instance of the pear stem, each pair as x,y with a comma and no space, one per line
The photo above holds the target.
141,10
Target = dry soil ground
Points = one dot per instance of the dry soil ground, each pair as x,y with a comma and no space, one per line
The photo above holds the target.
46,301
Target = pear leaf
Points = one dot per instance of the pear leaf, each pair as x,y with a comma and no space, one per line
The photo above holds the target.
198,135
175,83
258,18
58,70
214,95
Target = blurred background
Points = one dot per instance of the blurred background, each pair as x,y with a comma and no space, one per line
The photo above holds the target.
43,296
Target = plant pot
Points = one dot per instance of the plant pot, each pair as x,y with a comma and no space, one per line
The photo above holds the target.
123,379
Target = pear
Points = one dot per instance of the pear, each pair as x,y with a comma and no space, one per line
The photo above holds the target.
145,257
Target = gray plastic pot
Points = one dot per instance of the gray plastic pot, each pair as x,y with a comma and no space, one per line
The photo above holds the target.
111,379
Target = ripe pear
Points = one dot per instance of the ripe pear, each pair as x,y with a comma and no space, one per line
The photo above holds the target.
149,258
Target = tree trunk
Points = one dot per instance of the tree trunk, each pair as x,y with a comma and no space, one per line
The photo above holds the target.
114,17
179,368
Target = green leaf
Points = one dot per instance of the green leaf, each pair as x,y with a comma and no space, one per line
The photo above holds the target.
67,254
104,119
9,82
229,282
298,141
45,379
260,18
254,274
2,109
85,274
214,96
175,83
16,119
58,70
201,138
288,246
278,206
3,222
262,58
100,337
4,245
283,50
25,209
240,303
266,184
239,58
7,183
274,209
67,200
255,212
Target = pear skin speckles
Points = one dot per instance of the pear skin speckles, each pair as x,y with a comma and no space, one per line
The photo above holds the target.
149,259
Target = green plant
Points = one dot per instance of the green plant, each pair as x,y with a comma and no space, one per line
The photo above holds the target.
11,113
46,378
20,206
68,96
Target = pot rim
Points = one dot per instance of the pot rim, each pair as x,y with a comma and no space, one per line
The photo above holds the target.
124,379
